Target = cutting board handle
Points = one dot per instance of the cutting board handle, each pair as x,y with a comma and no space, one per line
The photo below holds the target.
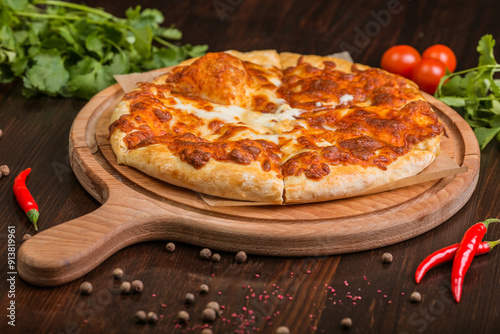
68,251
136,210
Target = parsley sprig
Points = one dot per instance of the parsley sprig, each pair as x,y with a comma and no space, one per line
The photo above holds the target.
475,93
66,49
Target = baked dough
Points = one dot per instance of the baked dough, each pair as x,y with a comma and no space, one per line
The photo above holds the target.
279,128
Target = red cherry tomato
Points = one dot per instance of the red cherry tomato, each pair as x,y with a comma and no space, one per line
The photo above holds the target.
400,59
442,53
428,73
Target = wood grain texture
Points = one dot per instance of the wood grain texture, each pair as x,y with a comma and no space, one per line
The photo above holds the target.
307,294
161,211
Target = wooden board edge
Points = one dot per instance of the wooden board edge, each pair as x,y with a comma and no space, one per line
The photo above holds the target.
82,132
469,139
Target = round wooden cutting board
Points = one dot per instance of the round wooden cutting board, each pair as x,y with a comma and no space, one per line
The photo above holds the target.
136,208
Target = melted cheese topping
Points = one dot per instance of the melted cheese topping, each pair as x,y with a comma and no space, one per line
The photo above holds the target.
224,79
305,85
302,120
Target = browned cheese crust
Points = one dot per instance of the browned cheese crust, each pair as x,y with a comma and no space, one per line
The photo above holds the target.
263,126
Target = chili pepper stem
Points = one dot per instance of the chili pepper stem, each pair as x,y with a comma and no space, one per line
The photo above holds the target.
33,215
492,244
491,220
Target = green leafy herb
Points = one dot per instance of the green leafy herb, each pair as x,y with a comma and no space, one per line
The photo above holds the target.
61,48
475,93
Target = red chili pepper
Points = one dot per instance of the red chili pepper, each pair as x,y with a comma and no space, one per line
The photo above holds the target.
24,197
447,254
465,253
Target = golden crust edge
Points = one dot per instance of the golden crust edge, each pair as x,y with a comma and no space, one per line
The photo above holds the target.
299,189
247,182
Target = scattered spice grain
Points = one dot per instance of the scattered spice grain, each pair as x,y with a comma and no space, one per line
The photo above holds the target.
26,236
125,288
387,257
241,257
416,297
207,331
282,330
85,288
1,133
208,314
118,273
346,323
205,253
214,306
152,318
204,288
183,316
216,257
137,286
170,247
189,298
4,170
140,316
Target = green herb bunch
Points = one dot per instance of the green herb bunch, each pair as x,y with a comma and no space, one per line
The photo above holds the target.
66,49
475,93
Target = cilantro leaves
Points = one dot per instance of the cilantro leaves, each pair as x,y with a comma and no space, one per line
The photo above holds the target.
475,93
67,49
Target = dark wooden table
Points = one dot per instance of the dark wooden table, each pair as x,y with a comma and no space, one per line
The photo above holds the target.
261,294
